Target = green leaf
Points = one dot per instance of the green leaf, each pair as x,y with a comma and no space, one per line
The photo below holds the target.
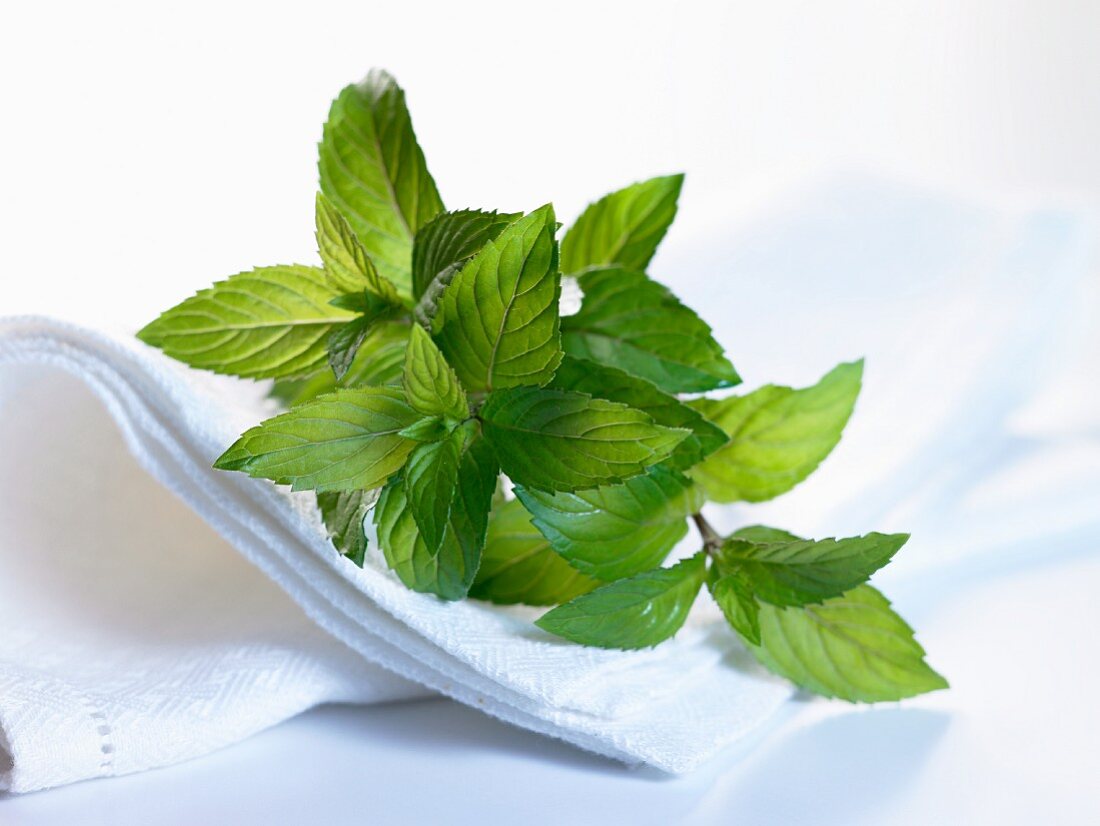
560,440
804,571
638,612
272,322
428,429
347,265
431,386
740,608
344,342
448,241
854,647
518,565
630,322
624,227
449,572
430,478
344,513
380,357
603,382
616,531
373,171
498,320
762,533
289,392
345,440
778,436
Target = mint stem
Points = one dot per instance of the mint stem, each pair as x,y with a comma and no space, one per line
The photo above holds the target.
712,540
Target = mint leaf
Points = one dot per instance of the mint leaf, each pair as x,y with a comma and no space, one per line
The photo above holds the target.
428,429
518,565
603,382
616,531
380,356
289,392
272,322
344,513
638,612
559,440
635,324
624,227
373,171
431,475
431,386
498,320
345,440
778,436
803,571
347,265
735,597
445,243
344,342
449,572
854,647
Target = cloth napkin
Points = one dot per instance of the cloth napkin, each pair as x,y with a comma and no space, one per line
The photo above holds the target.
155,609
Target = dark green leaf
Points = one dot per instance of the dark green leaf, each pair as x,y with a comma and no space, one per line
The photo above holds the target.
345,440
344,513
605,382
803,571
373,171
778,436
631,322
854,647
431,386
624,227
272,322
616,531
638,612
445,243
498,320
518,565
428,429
734,596
344,342
560,440
430,478
347,265
450,572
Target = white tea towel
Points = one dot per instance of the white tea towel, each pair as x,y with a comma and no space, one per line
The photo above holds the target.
155,609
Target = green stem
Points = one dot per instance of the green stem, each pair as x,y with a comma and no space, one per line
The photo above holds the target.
712,540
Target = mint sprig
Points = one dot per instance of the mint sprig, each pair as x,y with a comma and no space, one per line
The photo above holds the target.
426,356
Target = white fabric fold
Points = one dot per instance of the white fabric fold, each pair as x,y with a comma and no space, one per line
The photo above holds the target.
156,609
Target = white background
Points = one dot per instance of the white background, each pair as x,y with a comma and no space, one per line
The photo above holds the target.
147,149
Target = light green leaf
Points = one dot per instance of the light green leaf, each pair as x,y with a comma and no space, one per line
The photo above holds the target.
380,358
854,647
630,322
740,608
804,571
347,265
373,171
638,612
289,392
428,429
430,478
345,440
603,382
272,322
778,436
616,531
560,440
498,320
449,572
624,227
431,386
518,565
344,513
445,243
